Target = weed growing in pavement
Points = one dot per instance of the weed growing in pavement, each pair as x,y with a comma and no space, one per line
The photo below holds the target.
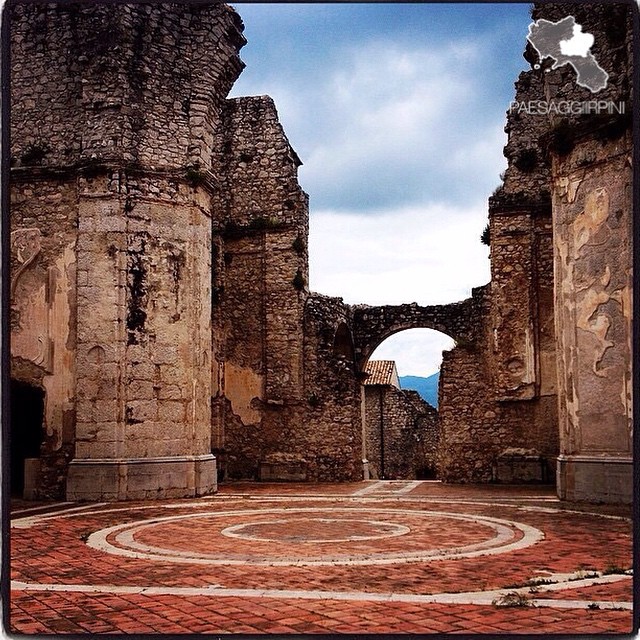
584,572
535,582
584,576
613,568
513,599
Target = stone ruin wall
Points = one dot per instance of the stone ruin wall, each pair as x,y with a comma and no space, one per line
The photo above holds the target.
105,152
499,389
333,390
160,268
592,196
567,186
567,190
260,281
410,431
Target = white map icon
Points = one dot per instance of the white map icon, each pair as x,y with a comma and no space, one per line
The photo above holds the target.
579,45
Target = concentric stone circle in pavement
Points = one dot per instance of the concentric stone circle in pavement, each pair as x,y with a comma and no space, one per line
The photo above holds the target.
409,557
426,536
315,530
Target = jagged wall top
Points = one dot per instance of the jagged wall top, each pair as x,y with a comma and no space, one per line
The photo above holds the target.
120,83
532,138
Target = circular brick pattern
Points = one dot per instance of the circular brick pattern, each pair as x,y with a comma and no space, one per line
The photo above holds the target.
315,530
382,536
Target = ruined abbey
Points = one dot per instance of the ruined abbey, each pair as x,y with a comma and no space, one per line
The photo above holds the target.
163,334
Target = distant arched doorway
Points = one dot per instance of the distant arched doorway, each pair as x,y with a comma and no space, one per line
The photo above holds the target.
400,405
27,413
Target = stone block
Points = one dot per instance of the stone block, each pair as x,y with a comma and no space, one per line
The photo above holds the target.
595,479
520,466
170,374
170,392
141,411
206,475
31,478
141,370
140,390
282,471
171,410
92,481
166,354
106,410
93,450
134,479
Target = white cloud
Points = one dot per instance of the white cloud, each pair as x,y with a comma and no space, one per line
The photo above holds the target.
429,255
385,125
388,117
417,352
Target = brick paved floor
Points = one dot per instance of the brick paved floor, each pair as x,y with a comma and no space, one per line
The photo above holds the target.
383,557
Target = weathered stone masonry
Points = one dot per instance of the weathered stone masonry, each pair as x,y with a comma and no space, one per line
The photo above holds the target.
159,276
591,160
554,347
401,429
113,117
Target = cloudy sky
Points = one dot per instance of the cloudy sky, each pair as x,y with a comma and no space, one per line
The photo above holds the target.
397,112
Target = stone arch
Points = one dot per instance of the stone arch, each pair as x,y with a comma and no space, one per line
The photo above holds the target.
373,325
381,339
425,343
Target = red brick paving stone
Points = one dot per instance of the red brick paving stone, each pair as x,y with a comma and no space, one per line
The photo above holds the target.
621,591
566,548
437,584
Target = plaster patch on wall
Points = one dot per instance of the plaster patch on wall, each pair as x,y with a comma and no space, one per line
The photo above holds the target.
568,187
596,212
242,385
60,387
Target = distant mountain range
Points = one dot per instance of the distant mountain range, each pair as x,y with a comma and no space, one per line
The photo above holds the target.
426,387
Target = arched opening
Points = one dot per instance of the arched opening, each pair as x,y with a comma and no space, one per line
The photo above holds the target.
400,405
27,413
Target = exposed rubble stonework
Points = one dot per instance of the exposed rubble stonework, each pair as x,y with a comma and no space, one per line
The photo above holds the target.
401,429
161,318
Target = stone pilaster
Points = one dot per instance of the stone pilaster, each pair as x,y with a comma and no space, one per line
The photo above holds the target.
592,228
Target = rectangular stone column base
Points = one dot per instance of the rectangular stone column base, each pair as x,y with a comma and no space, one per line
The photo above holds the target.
142,478
595,479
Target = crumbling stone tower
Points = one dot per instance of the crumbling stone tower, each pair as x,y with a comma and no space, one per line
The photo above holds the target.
116,110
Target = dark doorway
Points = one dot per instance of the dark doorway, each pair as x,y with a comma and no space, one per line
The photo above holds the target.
27,412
